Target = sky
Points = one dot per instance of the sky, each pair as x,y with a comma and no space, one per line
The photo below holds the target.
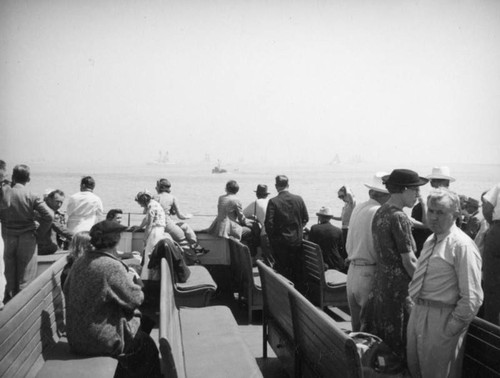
250,81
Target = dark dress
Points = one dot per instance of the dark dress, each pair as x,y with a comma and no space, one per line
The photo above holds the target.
386,315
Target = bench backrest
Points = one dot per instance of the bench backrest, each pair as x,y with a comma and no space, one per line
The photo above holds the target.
243,264
170,328
314,267
30,324
324,350
275,289
482,350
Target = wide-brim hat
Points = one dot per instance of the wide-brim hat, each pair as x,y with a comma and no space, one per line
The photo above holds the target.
404,177
377,183
262,190
441,173
106,227
325,212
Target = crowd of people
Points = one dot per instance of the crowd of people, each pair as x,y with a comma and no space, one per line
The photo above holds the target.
416,281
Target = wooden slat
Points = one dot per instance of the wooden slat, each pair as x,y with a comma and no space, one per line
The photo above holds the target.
322,346
21,333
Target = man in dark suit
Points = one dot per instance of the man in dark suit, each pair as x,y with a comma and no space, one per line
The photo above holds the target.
286,217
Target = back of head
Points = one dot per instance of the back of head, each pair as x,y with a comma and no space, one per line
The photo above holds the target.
87,183
80,243
232,187
281,182
106,234
163,185
21,174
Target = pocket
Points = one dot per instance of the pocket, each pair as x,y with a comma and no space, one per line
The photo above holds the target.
453,326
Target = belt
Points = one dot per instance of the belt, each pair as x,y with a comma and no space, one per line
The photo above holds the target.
496,221
436,304
361,263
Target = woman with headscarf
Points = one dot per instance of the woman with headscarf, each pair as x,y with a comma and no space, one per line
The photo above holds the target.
154,230
386,313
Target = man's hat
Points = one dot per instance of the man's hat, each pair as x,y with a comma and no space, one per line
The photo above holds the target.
440,173
404,177
325,212
106,227
262,190
377,183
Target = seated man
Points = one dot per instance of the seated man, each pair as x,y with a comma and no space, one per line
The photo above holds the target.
102,300
329,238
57,236
115,215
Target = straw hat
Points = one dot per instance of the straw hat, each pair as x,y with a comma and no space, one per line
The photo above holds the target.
325,212
441,173
377,183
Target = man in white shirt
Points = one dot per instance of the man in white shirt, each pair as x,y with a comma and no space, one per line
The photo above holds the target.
361,253
491,255
445,292
84,207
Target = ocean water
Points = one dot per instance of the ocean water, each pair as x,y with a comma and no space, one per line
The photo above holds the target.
197,189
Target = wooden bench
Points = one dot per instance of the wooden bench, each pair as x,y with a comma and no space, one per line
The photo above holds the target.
32,342
248,283
277,327
482,350
323,288
200,342
198,288
323,349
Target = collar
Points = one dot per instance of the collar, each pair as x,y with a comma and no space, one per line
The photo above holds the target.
439,238
107,253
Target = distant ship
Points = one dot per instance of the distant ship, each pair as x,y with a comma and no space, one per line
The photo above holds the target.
218,169
336,160
163,159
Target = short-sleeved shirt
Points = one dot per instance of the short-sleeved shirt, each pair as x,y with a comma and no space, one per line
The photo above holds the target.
83,210
493,197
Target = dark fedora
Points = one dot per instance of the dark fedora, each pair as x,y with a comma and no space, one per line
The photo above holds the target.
404,177
262,190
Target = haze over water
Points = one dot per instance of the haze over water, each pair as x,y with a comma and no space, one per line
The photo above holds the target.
260,82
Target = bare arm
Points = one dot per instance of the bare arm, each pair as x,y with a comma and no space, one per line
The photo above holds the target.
175,210
409,262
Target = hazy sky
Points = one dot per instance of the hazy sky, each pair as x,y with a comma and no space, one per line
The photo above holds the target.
267,81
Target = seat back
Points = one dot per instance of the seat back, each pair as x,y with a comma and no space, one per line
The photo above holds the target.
482,350
323,349
31,324
314,267
171,349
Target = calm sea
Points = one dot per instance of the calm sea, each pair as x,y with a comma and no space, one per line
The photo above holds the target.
197,189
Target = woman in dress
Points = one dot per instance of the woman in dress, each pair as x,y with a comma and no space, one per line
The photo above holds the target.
230,221
386,314
181,232
154,230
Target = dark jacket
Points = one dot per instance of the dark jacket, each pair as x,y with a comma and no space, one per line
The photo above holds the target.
329,238
286,217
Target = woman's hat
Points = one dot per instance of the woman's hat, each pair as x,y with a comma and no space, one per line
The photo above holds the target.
106,227
377,183
262,190
404,177
325,212
440,173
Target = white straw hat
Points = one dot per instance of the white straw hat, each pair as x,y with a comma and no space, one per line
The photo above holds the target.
377,183
441,173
